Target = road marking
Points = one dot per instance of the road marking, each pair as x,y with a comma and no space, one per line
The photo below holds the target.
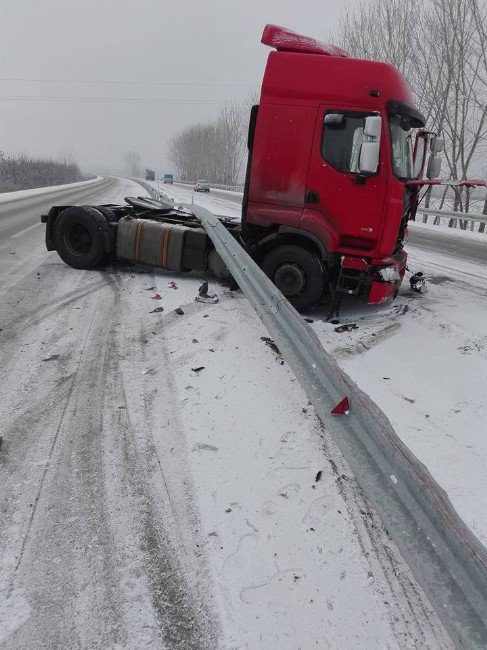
21,232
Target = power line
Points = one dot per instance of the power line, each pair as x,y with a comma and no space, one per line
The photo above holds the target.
116,100
134,83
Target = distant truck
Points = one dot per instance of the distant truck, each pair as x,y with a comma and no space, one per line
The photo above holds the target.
150,175
168,178
337,157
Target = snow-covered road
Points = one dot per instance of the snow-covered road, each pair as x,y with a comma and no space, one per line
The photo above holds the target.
165,483
422,359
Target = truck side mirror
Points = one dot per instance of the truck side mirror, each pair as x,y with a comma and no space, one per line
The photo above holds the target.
373,125
437,145
369,157
434,167
370,149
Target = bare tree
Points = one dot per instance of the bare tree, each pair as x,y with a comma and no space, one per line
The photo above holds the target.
214,150
133,159
440,47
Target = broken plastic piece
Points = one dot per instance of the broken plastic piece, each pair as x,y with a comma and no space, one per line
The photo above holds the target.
172,284
203,294
157,310
198,368
342,407
157,297
347,327
179,311
418,282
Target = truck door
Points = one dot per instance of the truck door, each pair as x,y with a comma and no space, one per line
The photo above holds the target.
343,208
280,161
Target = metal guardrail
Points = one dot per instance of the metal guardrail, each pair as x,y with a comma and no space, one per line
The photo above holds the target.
217,186
446,558
45,200
450,214
51,191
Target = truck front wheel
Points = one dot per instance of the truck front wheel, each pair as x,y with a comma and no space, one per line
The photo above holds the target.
80,237
297,273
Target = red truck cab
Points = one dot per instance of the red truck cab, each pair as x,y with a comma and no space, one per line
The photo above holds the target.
311,216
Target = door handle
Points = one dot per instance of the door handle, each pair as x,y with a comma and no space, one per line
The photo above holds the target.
312,196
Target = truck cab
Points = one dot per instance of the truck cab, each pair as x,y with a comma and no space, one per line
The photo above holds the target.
331,157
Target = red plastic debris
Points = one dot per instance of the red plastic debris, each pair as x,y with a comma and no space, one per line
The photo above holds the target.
172,284
342,407
156,297
408,399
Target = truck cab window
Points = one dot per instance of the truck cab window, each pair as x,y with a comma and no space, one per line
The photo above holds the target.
342,141
401,147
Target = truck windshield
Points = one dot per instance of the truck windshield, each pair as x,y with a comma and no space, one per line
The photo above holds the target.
401,147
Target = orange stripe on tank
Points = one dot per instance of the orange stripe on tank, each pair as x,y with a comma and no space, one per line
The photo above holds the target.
138,235
165,244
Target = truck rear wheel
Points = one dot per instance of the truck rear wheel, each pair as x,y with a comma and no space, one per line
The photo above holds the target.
80,237
297,273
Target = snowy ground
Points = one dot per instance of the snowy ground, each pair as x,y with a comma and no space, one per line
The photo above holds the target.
160,474
430,349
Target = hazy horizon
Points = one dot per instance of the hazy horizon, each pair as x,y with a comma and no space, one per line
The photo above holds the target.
99,78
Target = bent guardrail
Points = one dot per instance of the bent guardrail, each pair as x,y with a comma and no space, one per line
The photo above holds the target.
447,560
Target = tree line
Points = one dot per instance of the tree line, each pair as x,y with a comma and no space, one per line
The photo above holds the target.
20,172
212,150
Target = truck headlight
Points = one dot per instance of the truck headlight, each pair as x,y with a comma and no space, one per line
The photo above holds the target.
389,274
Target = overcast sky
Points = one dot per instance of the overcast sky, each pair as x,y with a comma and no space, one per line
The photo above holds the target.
156,43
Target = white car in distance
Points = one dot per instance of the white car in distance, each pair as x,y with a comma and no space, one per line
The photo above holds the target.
201,186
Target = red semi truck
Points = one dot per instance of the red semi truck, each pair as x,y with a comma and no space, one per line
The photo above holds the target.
336,150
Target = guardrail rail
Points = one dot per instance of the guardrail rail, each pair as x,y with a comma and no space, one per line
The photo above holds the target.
446,558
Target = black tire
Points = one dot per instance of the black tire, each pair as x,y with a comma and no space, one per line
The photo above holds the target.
107,213
297,273
80,235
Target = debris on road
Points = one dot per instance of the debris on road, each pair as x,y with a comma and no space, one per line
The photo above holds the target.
157,297
198,369
203,446
179,311
418,282
342,408
269,342
409,399
149,289
203,295
157,310
318,476
172,284
346,327
53,357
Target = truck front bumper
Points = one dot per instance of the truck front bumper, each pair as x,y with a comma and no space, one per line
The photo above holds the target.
386,277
